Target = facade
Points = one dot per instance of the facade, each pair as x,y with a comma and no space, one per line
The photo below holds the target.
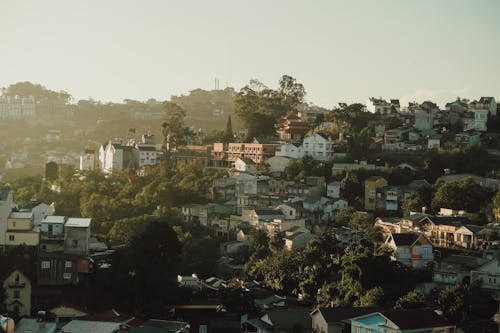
243,164
381,106
57,269
333,190
371,185
17,286
40,211
318,146
412,249
17,107
20,230
255,151
290,150
52,234
77,235
424,115
87,160
5,209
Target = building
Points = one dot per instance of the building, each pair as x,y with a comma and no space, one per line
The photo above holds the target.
243,164
257,152
35,326
77,235
371,185
88,160
297,238
402,321
290,150
333,190
6,203
412,249
21,230
17,107
115,157
381,106
57,269
424,115
319,146
291,128
52,234
336,320
16,277
281,320
87,326
40,210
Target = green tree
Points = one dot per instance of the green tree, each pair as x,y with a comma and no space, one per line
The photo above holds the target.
413,203
412,300
260,107
465,194
143,274
173,128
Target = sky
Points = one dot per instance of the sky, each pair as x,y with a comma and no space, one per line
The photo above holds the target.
342,51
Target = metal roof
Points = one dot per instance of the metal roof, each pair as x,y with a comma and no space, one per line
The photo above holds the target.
78,222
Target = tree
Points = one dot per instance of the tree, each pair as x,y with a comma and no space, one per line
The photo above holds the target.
465,195
228,134
260,107
413,203
173,129
143,274
412,300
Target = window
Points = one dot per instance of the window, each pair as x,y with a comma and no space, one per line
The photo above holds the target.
11,237
67,276
17,294
45,264
68,264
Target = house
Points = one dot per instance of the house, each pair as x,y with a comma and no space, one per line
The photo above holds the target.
40,210
88,160
319,146
434,141
402,321
333,190
290,150
424,115
347,236
258,217
412,249
243,164
115,157
88,326
389,198
16,277
381,106
468,236
291,210
281,320
20,230
291,128
279,226
467,139
488,275
57,269
336,320
35,326
6,203
190,281
330,207
66,313
455,269
297,238
371,185
161,326
52,233
77,235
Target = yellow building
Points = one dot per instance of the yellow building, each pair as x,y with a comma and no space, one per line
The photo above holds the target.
371,185
20,230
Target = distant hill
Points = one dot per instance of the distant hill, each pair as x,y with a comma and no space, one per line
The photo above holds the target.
208,109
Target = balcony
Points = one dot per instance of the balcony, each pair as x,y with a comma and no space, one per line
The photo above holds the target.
16,284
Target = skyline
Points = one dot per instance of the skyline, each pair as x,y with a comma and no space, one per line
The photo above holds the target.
341,51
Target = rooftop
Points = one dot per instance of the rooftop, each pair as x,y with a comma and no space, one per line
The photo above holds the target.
21,215
78,222
54,219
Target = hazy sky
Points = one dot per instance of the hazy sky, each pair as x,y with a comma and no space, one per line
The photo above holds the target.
340,50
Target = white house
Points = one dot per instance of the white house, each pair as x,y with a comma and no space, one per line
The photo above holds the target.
319,146
333,190
40,211
243,164
87,160
488,274
412,249
290,150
